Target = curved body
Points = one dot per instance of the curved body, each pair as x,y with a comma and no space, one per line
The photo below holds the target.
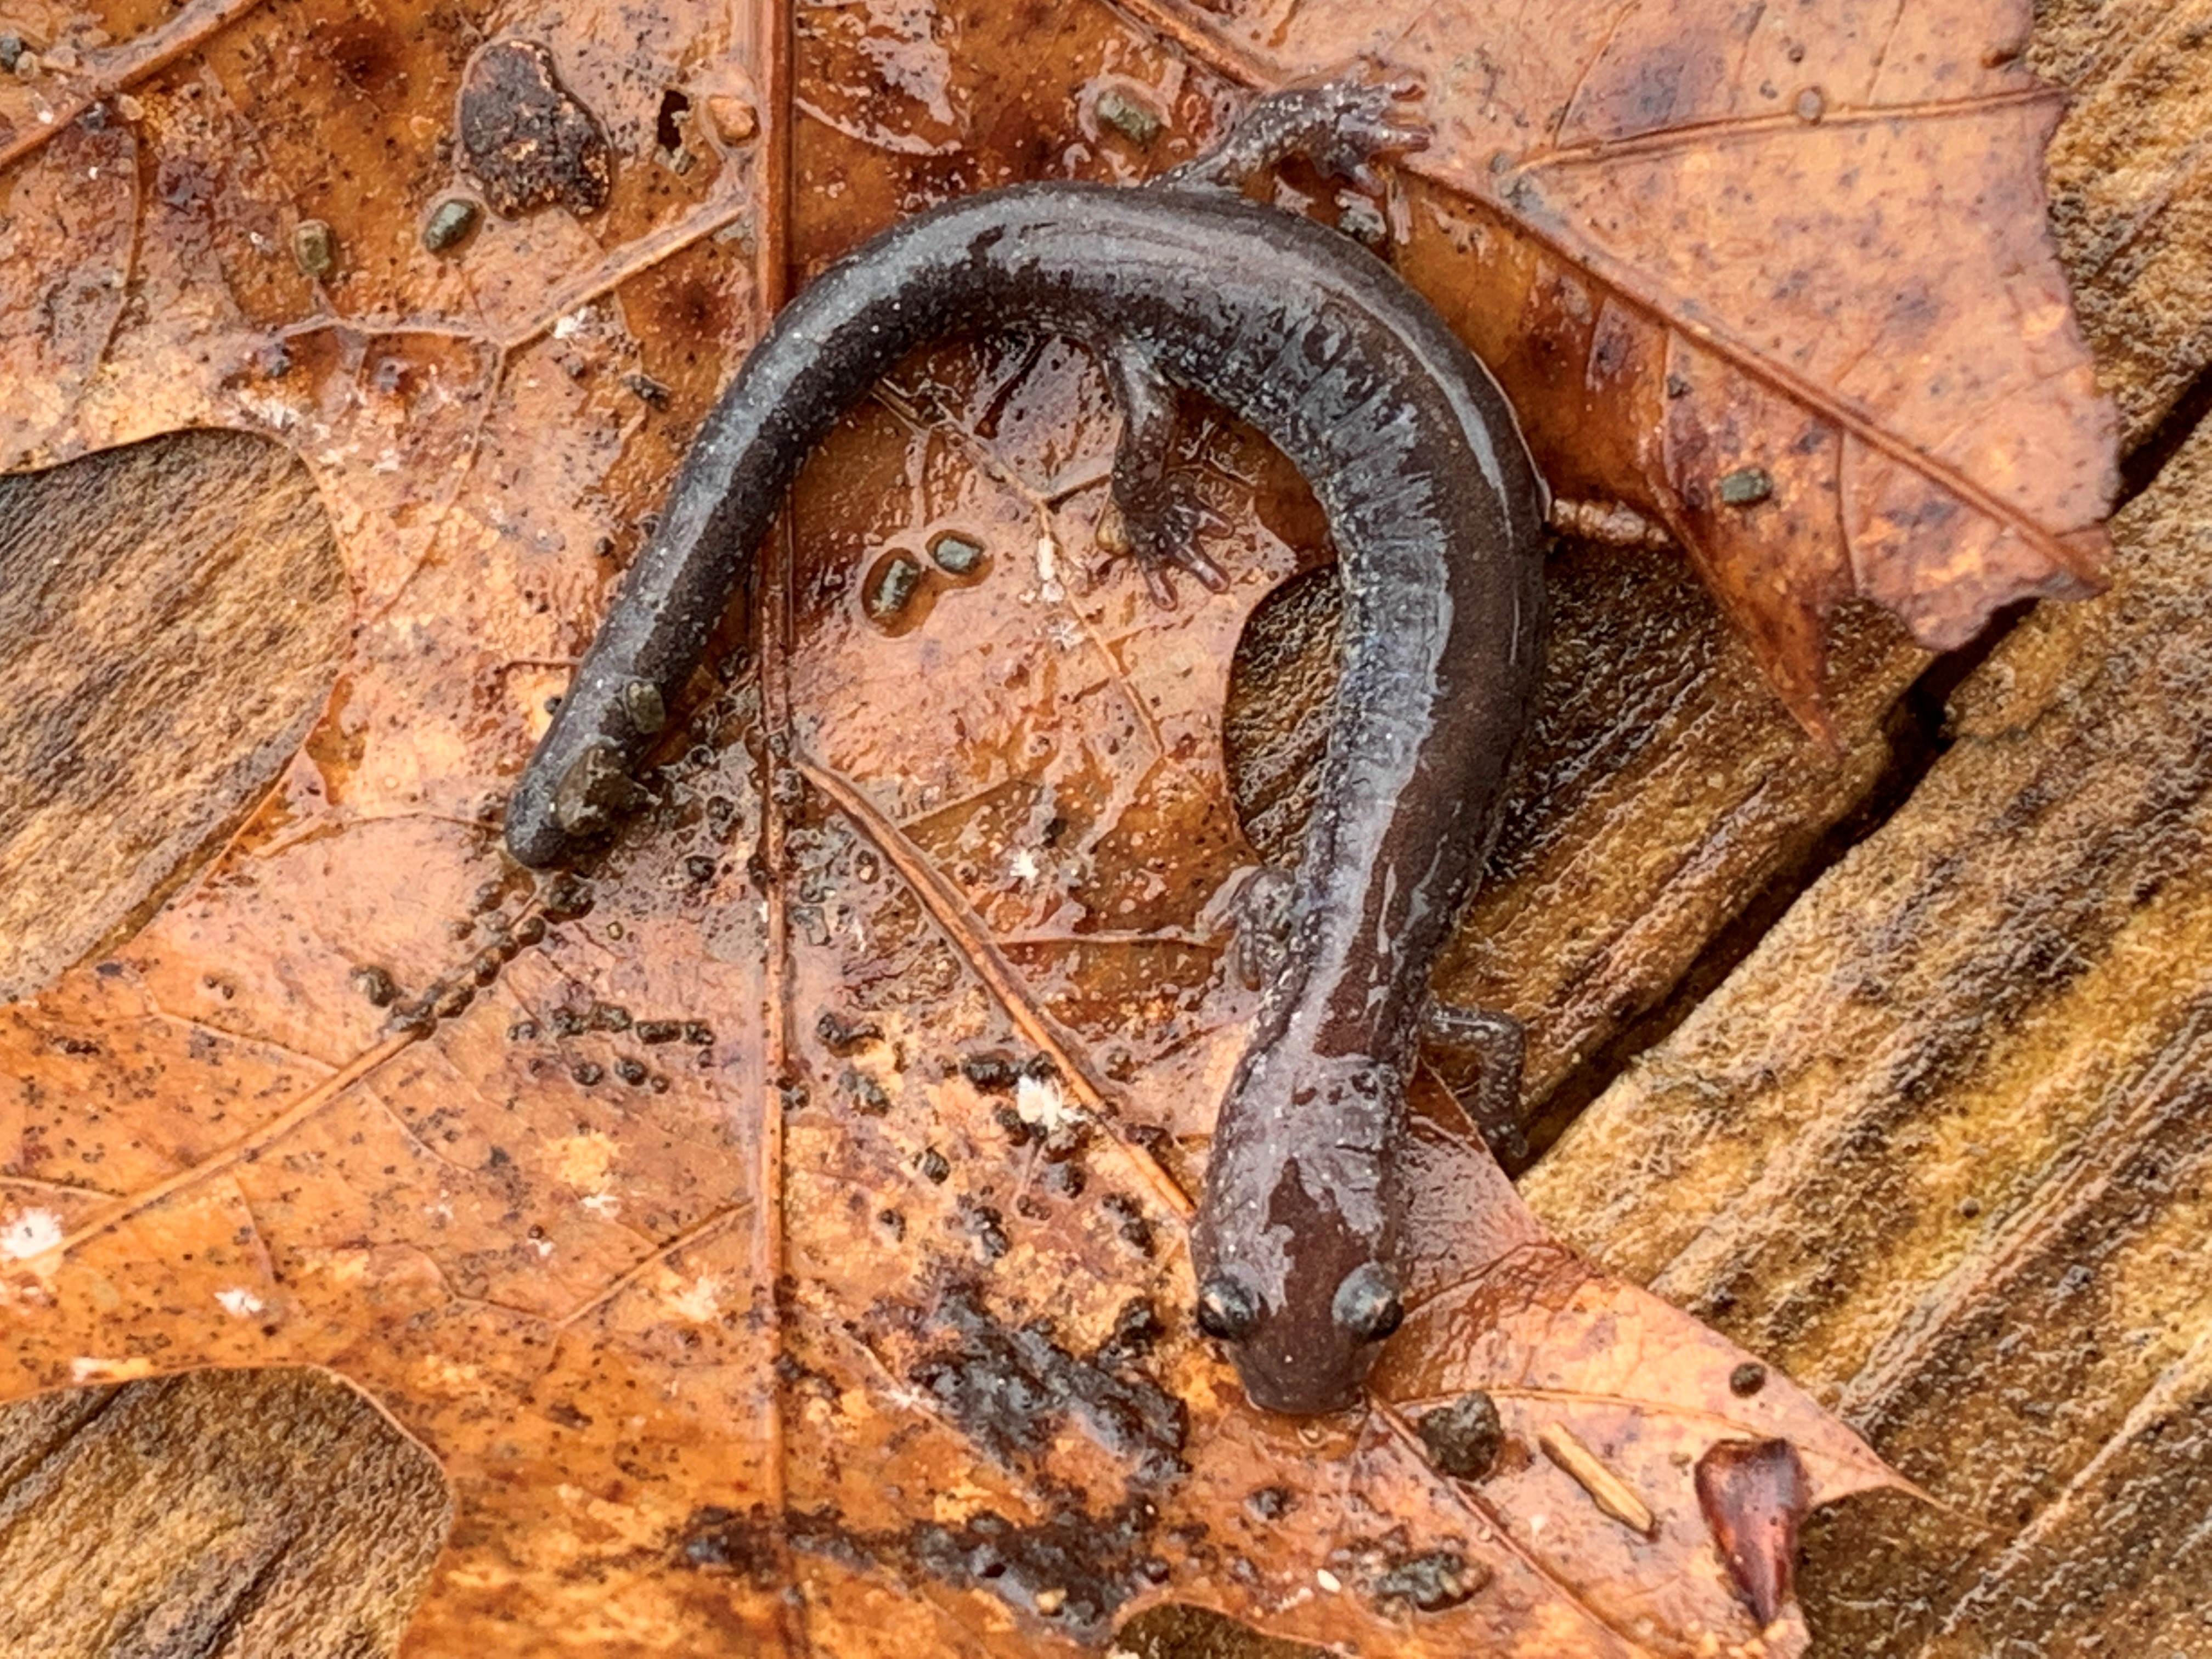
1437,514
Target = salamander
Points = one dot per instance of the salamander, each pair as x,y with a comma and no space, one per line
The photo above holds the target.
1437,514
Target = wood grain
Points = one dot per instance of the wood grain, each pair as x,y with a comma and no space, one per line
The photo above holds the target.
216,1516
172,616
1936,1145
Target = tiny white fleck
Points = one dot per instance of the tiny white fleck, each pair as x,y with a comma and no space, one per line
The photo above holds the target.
571,326
545,1248
1048,563
603,1205
1024,865
1327,1580
1039,1100
32,1233
239,1302
95,1368
280,416
700,1301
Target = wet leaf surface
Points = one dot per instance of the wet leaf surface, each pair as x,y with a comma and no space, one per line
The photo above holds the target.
799,1200
1702,250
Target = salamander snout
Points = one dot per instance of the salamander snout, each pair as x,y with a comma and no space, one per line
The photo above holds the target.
1289,1360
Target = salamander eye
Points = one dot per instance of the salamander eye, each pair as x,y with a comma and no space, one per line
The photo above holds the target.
1227,1308
1366,1306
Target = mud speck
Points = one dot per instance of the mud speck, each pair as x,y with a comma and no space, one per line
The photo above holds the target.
527,138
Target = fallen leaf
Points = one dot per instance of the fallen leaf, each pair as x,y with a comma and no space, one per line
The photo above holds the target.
1780,282
798,1203
916,1337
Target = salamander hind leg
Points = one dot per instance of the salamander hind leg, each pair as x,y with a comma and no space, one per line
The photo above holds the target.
1340,125
1160,515
1477,1053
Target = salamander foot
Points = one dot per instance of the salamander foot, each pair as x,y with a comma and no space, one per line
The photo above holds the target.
1340,125
1477,1053
1159,514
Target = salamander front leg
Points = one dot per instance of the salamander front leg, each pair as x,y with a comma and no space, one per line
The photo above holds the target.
1340,127
1263,910
1478,1052
1160,516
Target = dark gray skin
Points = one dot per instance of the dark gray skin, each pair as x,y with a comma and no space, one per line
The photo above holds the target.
1438,518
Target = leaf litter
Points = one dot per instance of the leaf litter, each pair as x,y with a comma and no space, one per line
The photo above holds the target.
797,1201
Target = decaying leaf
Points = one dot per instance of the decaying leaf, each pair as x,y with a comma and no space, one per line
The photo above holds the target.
797,1201
1754,1497
1778,278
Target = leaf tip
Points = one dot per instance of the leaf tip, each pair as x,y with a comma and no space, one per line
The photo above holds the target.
1754,1495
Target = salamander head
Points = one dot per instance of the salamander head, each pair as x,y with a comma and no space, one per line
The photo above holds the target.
1295,1244
1289,1360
